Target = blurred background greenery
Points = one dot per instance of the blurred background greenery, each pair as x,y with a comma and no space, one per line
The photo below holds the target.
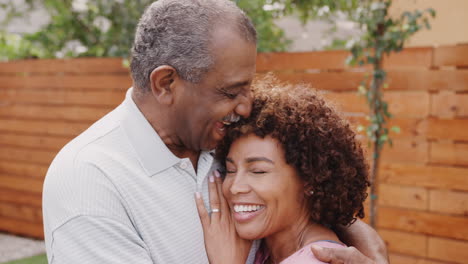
103,28
40,259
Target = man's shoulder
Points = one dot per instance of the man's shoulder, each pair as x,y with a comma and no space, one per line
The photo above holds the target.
76,183
91,140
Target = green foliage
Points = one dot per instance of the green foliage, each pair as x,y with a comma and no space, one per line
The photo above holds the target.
270,36
41,259
13,46
310,9
383,35
104,28
12,11
264,12
78,28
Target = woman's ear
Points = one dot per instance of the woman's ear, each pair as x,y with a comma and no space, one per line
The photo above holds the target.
308,190
162,81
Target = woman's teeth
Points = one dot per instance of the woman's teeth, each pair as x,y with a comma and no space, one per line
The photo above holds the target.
247,208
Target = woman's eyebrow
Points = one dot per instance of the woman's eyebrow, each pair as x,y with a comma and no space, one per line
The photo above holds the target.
255,159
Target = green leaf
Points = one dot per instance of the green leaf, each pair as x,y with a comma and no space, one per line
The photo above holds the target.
395,129
126,63
362,89
383,138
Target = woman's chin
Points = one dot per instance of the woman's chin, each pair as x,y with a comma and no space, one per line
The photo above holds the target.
249,233
249,236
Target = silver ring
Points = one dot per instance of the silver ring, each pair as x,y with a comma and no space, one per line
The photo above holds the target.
215,210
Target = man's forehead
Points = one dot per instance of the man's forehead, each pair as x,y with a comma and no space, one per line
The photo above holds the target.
234,59
227,32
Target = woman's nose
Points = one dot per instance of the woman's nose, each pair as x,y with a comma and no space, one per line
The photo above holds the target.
239,185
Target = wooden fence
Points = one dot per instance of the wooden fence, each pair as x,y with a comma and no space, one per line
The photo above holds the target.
423,210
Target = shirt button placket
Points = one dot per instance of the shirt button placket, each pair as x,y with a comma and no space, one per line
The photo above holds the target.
186,166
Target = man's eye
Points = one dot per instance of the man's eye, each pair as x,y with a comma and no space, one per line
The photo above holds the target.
230,95
259,172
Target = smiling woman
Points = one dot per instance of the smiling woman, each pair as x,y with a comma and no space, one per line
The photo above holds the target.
260,187
293,171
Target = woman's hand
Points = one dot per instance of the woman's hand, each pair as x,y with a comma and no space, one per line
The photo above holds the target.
222,243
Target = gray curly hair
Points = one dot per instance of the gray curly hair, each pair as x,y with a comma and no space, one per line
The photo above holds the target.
178,33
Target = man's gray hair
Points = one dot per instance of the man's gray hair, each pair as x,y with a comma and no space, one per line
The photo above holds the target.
178,33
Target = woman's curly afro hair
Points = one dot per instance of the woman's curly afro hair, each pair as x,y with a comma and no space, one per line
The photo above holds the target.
317,142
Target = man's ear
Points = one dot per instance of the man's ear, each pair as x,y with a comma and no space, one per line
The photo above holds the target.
162,81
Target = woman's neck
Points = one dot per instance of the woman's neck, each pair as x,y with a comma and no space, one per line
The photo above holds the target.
285,243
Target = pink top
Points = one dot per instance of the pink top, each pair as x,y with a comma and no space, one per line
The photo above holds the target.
302,256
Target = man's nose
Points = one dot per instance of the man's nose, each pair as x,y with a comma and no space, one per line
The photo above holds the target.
245,105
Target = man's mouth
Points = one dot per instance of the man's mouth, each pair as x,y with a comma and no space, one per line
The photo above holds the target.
220,126
227,121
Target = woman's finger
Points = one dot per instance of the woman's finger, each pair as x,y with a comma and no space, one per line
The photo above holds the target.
219,186
202,213
214,199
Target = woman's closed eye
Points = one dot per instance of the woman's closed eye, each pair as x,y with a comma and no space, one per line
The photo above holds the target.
230,169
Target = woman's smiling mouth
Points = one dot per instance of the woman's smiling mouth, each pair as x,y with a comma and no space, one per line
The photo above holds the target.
246,212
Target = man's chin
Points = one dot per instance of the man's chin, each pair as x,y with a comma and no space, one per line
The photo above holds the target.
210,145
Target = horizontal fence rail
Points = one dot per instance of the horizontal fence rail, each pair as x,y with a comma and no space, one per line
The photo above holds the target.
423,192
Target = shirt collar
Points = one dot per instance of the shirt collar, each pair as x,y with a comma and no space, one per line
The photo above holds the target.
152,153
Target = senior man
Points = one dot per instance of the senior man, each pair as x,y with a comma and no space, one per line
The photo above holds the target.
122,191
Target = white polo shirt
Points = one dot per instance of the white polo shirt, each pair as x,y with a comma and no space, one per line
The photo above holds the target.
116,194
